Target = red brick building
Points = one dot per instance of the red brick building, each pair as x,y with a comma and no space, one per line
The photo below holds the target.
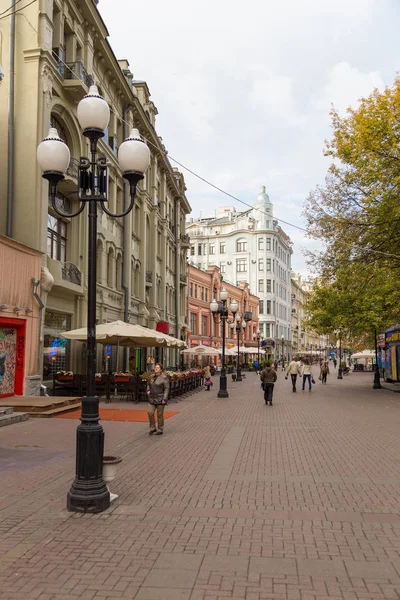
203,287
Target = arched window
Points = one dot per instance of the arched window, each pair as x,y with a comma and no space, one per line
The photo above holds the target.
110,267
118,273
56,123
241,245
99,261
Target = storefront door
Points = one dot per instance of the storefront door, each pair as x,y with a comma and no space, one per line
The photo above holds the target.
12,356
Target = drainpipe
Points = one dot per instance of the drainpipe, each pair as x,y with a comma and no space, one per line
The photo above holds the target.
177,279
10,150
125,254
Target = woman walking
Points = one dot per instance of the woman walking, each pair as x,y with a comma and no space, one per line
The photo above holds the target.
207,377
157,393
307,374
268,377
324,372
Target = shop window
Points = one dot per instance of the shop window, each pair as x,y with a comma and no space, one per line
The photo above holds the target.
56,350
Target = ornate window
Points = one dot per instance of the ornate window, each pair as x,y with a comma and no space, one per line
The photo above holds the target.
56,238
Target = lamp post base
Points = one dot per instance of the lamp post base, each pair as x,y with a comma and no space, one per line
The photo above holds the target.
223,393
238,374
377,381
88,492
340,374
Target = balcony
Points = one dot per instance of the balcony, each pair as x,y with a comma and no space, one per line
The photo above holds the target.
71,273
185,240
248,316
67,277
149,277
182,279
76,79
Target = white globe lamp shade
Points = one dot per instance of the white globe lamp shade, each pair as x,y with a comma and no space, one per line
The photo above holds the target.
244,324
224,294
93,111
238,317
214,306
134,154
53,154
234,306
258,332
232,325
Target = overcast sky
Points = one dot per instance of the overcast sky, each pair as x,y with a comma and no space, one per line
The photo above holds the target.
244,89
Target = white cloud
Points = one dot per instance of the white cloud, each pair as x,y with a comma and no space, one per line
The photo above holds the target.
345,86
244,92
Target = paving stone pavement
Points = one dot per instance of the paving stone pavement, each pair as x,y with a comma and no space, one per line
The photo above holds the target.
237,500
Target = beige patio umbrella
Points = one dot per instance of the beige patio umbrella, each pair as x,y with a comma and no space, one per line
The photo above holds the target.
119,333
201,350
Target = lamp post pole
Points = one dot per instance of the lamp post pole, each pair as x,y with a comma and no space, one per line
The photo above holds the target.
283,351
257,336
238,368
377,378
88,492
340,372
221,309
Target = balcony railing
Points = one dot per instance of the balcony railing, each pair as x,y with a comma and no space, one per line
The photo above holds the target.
185,239
75,70
248,316
182,278
71,273
149,276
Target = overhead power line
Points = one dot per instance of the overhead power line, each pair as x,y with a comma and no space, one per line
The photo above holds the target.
14,12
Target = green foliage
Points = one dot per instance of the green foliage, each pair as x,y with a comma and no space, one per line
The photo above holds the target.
357,216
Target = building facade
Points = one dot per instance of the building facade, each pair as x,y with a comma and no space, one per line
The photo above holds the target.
304,340
20,318
203,287
250,247
141,259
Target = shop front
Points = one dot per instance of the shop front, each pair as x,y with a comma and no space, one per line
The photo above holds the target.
12,356
56,350
20,271
391,364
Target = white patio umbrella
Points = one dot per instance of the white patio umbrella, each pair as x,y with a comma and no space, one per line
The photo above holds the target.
119,333
201,350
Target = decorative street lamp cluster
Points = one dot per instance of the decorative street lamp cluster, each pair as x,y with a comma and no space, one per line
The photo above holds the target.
88,492
220,308
238,324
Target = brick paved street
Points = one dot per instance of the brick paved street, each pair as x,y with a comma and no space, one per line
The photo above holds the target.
238,500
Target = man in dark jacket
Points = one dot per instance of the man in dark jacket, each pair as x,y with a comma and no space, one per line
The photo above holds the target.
157,393
268,377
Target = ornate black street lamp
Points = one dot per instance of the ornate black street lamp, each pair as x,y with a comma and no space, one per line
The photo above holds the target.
257,336
238,324
283,351
377,377
221,309
88,492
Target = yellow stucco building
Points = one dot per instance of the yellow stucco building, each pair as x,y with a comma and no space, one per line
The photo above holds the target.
60,48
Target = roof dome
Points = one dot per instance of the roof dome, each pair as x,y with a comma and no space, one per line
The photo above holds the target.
262,197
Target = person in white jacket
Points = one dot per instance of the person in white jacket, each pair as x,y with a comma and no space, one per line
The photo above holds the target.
307,374
293,370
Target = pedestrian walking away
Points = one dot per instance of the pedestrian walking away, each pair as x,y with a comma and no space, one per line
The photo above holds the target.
276,365
157,393
324,372
293,370
268,377
307,374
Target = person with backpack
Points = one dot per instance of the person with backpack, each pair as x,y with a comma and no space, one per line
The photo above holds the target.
268,377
